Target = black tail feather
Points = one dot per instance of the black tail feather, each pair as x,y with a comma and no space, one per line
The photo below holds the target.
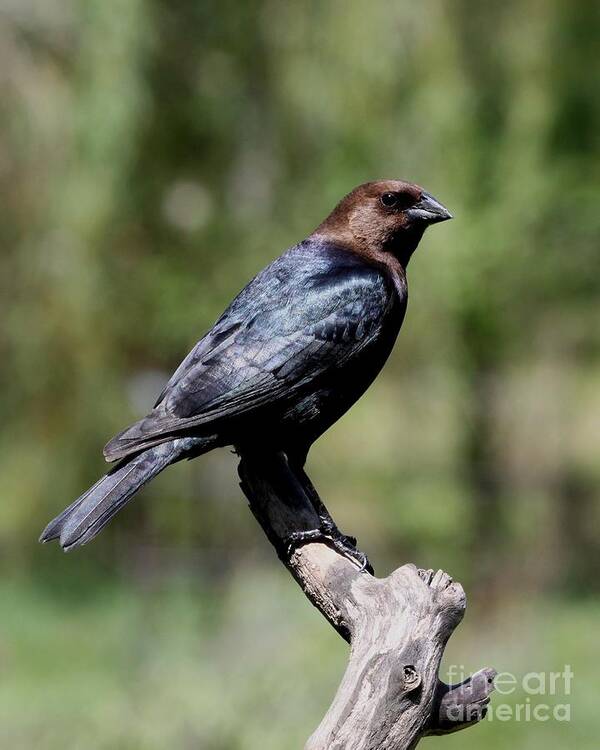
89,514
53,529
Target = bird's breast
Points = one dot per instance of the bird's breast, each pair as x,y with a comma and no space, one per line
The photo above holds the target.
316,409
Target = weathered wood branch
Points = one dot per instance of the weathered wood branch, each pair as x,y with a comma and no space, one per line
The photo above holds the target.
390,695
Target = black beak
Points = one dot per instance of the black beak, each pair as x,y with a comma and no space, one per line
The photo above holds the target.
428,210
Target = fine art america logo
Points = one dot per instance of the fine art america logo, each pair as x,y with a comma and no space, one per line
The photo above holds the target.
536,696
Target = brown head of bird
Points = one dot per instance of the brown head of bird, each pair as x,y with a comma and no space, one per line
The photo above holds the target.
383,218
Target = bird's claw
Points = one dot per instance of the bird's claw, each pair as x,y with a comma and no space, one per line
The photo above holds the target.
345,545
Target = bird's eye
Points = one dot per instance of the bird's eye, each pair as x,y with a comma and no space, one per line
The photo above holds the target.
389,200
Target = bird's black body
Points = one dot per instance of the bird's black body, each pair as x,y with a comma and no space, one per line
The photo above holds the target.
293,351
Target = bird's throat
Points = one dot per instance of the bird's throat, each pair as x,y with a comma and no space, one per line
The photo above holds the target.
404,244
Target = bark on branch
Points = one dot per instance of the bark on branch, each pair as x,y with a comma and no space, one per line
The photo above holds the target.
390,695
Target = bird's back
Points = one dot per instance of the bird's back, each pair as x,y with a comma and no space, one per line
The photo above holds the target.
318,320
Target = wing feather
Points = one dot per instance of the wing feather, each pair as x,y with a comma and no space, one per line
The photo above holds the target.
265,349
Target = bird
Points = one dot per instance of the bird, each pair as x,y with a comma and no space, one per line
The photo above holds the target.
296,348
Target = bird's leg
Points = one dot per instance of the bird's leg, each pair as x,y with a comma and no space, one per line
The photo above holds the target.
328,530
299,516
345,545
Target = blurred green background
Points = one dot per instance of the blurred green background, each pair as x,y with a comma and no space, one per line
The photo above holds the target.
153,157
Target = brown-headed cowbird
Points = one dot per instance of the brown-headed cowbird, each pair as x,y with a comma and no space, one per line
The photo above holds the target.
293,351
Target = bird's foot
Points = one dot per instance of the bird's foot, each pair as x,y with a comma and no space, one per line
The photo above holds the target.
333,537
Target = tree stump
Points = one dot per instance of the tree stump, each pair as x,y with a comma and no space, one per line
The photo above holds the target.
390,695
